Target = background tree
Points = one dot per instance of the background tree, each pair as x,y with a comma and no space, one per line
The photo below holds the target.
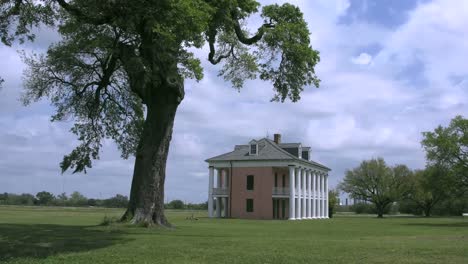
77,199
118,201
176,204
3,198
119,71
448,147
45,198
333,198
375,182
62,199
428,187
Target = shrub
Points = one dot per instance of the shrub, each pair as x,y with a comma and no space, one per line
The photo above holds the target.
107,220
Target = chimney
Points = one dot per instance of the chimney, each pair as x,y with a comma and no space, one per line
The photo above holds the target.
277,138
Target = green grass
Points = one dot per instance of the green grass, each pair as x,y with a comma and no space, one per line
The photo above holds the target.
69,235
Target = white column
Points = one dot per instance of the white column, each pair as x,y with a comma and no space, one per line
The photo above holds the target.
314,198
304,194
319,195
223,178
210,192
322,196
309,195
218,199
292,193
326,196
299,193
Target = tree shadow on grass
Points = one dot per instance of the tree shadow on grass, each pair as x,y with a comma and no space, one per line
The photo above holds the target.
40,241
456,224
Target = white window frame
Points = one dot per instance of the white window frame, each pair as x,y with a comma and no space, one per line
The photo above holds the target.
253,142
256,148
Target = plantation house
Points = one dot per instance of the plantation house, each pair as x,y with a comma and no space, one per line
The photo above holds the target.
268,180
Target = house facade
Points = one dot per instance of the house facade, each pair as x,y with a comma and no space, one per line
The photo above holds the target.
268,179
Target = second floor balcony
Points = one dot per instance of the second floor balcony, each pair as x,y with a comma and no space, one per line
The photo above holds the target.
280,191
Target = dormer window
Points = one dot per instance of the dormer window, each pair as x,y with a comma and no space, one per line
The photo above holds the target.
253,148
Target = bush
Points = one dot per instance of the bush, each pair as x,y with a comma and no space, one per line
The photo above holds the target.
107,220
118,201
409,207
363,208
344,208
92,202
454,206
176,204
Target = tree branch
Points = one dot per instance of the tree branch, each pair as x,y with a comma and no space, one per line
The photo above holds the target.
252,40
76,12
134,68
221,57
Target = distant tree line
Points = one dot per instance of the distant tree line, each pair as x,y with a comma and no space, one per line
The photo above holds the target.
439,189
76,199
179,204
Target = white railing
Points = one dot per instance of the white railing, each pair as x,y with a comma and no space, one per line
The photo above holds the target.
220,191
280,191
301,191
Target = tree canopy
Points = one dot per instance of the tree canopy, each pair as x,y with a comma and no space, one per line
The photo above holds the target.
373,181
45,198
428,187
333,201
119,70
448,147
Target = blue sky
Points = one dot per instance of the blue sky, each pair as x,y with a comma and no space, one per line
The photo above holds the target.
389,69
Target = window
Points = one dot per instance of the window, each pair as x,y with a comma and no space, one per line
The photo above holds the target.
284,180
276,179
253,149
249,205
250,182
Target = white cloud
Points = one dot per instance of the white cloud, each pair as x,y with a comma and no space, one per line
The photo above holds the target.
357,113
362,59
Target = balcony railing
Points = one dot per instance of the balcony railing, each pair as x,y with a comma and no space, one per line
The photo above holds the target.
220,191
280,191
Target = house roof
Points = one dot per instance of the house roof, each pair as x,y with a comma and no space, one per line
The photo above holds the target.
267,150
289,145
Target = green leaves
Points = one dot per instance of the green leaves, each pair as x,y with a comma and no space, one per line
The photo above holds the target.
83,78
376,182
19,17
428,187
115,56
288,60
279,52
448,146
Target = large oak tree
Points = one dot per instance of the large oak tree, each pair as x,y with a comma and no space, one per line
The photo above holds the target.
375,182
428,187
448,147
120,67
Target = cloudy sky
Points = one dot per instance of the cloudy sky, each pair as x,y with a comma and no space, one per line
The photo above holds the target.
389,69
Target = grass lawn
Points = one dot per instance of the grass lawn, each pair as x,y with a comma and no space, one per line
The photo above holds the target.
70,235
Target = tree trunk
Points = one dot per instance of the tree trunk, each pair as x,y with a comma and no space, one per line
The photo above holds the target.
146,205
380,210
427,210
